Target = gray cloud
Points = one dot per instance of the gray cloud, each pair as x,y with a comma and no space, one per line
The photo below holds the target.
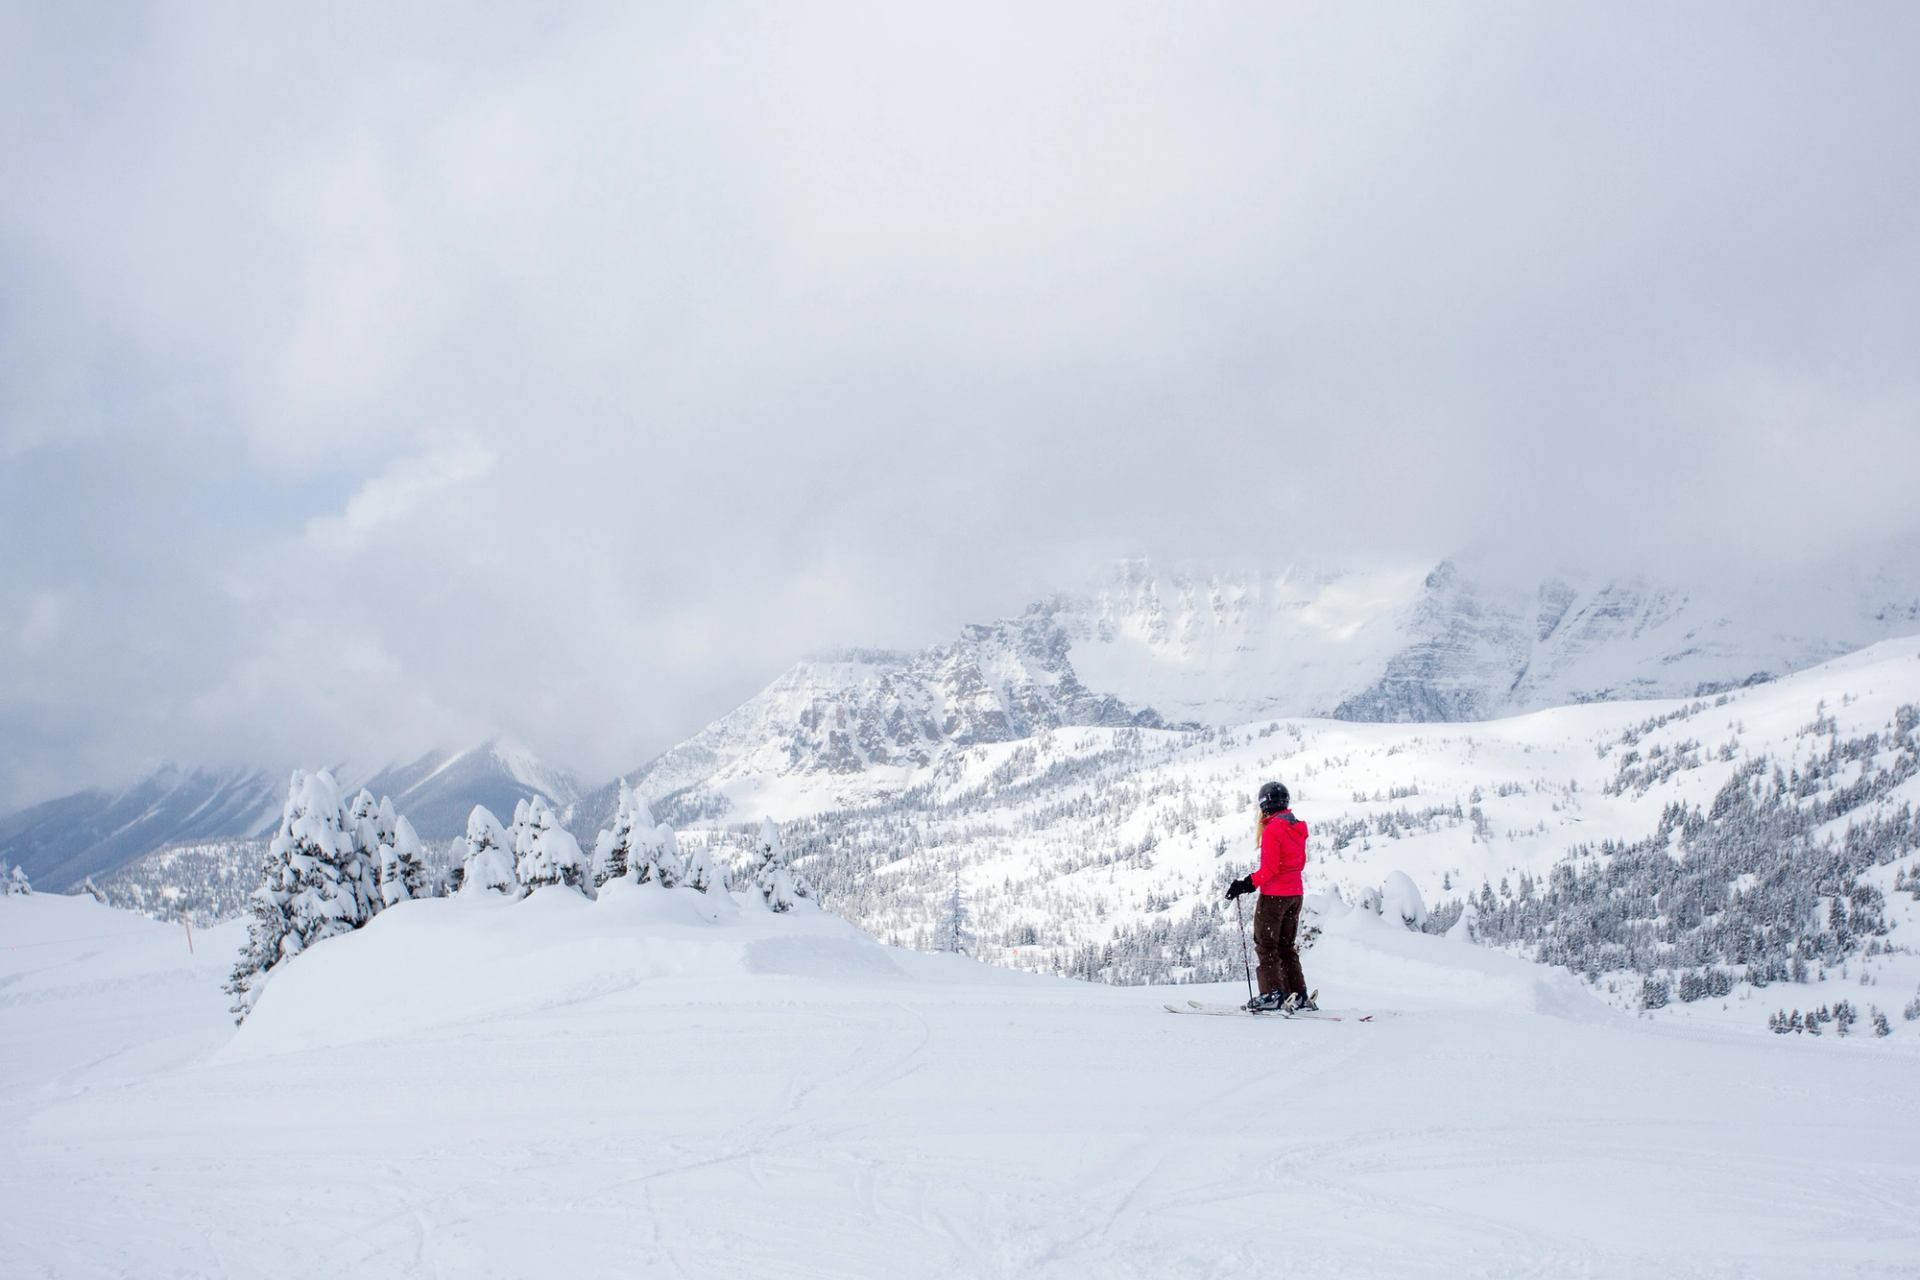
373,379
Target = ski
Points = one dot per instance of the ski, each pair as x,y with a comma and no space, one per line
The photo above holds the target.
1217,1011
1305,1013
1235,1011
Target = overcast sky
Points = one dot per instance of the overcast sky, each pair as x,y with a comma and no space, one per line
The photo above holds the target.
378,376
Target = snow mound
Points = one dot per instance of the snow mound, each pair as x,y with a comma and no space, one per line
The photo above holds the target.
1379,954
1401,901
445,962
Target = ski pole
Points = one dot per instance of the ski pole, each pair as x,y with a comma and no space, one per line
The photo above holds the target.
1241,915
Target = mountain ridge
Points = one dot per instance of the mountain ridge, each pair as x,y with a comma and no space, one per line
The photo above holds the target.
96,831
1147,646
1180,645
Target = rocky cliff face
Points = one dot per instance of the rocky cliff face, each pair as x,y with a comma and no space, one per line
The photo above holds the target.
851,711
859,710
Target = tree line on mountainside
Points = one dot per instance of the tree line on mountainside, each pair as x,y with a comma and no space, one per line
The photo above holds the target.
1749,890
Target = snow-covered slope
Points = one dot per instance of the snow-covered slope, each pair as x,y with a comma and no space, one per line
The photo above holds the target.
95,833
90,993
649,1085
1104,852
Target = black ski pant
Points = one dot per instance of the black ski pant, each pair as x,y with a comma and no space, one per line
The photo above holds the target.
1276,922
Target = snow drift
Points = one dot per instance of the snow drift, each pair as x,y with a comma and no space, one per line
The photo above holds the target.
664,1082
445,961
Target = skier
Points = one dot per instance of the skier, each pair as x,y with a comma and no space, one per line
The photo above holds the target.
1276,920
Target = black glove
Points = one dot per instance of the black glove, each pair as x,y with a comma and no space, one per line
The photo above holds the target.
1243,885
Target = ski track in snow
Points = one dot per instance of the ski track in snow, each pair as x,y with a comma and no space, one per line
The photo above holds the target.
801,1103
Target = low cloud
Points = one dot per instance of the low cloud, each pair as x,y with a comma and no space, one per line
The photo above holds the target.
369,379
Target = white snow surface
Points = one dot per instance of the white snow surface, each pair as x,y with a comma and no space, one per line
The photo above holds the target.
662,1082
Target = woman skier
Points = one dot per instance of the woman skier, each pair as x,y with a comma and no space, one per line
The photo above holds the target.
1276,920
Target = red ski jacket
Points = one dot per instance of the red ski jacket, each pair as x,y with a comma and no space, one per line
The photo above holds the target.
1283,853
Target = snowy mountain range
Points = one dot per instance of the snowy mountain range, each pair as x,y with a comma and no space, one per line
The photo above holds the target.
1146,647
62,842
1152,648
95,832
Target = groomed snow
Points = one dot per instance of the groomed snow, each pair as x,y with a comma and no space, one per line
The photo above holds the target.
666,1083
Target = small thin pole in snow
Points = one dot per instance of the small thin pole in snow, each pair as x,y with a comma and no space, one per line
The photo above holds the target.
189,923
1243,947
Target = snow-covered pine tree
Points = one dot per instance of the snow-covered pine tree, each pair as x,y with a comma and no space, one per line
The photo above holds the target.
1843,1017
490,864
636,847
630,848
413,859
363,820
780,886
668,866
376,814
772,877
520,834
551,854
270,923
370,824
393,883
313,886
334,891
92,890
701,872
955,933
656,855
403,873
17,886
613,849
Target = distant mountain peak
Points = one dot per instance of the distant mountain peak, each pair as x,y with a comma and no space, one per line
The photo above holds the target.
92,832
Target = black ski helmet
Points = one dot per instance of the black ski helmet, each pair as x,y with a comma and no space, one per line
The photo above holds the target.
1274,798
